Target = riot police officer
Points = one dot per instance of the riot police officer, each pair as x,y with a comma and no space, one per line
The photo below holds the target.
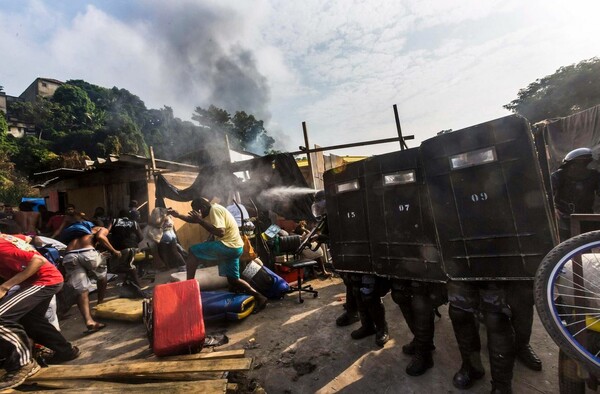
574,187
417,301
350,315
368,291
489,297
363,292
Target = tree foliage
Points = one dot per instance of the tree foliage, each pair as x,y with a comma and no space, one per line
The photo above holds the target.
569,90
3,123
244,131
83,120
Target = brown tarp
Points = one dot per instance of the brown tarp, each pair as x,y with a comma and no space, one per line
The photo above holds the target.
562,135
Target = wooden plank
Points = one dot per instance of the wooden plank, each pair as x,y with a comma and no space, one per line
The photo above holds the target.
232,388
199,386
147,368
204,356
184,376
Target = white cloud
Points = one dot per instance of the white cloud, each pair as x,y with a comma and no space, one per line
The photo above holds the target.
338,65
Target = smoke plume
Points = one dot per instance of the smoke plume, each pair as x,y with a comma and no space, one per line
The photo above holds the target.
203,60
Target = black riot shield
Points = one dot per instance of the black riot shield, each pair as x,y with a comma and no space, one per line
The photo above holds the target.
489,204
403,237
347,219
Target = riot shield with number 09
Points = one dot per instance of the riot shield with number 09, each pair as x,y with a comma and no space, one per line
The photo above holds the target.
489,204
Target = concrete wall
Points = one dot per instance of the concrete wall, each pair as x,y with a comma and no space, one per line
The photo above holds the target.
39,87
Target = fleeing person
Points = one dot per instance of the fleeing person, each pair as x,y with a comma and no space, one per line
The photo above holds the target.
28,220
59,222
82,260
134,213
225,250
22,313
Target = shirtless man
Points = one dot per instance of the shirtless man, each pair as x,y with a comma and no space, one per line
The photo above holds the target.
82,259
29,220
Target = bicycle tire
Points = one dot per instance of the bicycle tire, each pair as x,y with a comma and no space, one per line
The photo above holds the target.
551,269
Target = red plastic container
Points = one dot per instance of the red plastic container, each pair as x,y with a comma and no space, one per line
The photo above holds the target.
178,325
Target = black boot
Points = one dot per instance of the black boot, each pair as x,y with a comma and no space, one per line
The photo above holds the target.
467,336
500,388
501,346
362,332
468,373
366,328
382,336
377,313
521,302
419,364
347,318
409,348
527,356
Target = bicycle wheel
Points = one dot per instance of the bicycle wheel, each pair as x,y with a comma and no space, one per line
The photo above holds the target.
567,297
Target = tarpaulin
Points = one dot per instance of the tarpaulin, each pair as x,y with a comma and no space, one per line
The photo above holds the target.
275,184
562,135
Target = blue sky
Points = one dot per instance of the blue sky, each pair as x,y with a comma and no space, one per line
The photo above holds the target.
338,65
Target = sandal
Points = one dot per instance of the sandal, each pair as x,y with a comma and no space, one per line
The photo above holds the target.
92,328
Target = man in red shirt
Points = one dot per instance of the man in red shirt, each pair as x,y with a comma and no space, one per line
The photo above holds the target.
23,311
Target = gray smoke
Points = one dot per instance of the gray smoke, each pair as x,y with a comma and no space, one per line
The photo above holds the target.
204,63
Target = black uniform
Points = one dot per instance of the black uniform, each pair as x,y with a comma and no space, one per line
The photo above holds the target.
368,291
488,297
417,301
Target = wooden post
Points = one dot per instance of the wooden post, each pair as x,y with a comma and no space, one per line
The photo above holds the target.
152,161
306,145
402,143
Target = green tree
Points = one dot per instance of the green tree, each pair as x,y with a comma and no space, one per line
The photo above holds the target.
78,106
13,186
569,90
32,155
244,130
251,133
213,118
3,123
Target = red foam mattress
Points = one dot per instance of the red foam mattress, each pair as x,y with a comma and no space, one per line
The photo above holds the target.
178,325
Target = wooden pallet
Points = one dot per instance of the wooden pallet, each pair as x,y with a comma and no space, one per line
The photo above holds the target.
201,372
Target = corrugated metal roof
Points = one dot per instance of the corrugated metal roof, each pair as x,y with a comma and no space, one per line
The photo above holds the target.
111,163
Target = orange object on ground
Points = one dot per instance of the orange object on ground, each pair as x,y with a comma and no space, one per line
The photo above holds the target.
178,325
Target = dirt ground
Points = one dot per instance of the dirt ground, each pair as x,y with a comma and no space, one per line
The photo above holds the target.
297,348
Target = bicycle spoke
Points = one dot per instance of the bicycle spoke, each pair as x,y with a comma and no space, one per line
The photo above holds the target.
577,307
579,314
579,276
587,326
578,296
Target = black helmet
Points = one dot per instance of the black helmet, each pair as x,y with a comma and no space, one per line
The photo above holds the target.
318,207
579,153
320,195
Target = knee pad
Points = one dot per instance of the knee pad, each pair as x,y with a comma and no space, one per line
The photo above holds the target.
400,296
459,316
497,322
422,304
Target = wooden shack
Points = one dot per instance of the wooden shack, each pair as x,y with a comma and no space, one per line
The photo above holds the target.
111,183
